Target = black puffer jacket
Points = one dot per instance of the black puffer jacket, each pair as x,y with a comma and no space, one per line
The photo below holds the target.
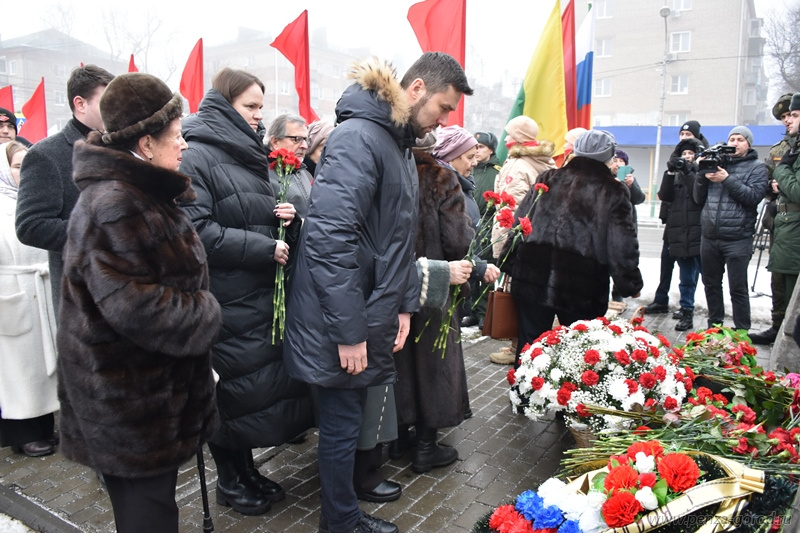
259,404
730,207
682,231
355,263
582,233
136,323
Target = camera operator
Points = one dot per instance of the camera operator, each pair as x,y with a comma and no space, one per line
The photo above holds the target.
780,299
730,197
784,252
682,231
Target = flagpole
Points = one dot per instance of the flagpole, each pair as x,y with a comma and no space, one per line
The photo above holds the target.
276,81
664,12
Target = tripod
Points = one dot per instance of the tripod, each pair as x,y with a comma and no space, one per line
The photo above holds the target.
760,241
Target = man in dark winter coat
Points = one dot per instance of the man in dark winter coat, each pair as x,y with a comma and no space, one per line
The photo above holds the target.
355,282
682,231
780,299
47,193
729,198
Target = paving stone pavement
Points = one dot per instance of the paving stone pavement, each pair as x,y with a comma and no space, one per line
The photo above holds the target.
500,455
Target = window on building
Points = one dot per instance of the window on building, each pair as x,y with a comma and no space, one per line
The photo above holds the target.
3,66
286,87
755,27
12,67
682,5
679,84
604,47
680,41
750,97
60,97
315,91
602,87
603,8
337,71
677,119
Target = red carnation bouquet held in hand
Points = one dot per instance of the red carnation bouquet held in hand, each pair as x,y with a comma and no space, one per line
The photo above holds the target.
284,164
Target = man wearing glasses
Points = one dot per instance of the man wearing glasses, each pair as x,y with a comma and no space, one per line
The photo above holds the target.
290,132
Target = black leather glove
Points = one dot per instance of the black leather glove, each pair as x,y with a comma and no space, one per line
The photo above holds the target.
789,157
671,163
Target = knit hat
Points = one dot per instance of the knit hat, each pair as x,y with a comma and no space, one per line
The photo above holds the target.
794,105
573,134
8,116
621,155
451,142
595,144
318,131
782,105
692,126
745,132
137,104
523,129
487,139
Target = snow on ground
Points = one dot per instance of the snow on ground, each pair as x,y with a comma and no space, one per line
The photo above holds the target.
9,525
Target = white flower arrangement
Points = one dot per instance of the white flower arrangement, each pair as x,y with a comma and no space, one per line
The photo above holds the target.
615,365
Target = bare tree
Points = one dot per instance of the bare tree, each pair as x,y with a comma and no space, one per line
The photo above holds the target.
140,37
783,45
60,16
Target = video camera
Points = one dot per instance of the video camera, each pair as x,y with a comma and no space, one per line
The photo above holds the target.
713,157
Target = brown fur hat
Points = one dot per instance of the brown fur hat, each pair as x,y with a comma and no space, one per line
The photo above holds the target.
137,104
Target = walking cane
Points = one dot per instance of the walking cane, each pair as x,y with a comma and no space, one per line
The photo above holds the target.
208,525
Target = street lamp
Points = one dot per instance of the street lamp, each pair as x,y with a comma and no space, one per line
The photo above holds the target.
664,12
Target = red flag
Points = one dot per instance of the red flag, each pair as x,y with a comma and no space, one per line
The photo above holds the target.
441,26
7,98
570,81
35,126
293,44
192,78
132,65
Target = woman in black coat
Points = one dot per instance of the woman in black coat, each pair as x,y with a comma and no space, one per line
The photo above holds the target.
236,216
137,321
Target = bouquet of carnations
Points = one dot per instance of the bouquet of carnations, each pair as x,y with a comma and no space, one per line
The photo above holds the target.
284,164
643,489
611,364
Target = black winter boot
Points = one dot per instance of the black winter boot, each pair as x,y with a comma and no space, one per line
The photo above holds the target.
271,490
233,488
429,454
404,442
687,320
765,337
368,481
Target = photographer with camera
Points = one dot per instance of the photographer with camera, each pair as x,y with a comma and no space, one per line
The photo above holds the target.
784,252
731,181
682,231
780,299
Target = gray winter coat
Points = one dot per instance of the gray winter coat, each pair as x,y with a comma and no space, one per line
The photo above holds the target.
730,207
355,263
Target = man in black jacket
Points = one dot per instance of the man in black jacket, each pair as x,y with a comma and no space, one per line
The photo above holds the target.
729,197
47,193
355,283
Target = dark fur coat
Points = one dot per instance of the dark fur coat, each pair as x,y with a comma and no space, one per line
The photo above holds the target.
431,389
136,322
583,232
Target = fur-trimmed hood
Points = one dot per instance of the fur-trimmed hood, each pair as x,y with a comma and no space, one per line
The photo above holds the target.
377,96
96,163
545,149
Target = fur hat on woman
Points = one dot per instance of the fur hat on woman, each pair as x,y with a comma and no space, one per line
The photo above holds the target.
596,144
451,142
137,104
523,129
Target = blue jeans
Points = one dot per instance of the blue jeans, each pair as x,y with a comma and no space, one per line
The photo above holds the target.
690,268
340,414
667,264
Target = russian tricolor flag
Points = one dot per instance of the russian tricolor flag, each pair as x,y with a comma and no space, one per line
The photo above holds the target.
584,57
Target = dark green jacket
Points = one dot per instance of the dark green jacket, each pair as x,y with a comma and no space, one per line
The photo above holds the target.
485,174
784,254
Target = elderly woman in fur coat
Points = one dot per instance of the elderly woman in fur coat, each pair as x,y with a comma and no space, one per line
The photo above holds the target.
583,232
431,388
137,320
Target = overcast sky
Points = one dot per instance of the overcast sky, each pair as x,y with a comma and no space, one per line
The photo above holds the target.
503,32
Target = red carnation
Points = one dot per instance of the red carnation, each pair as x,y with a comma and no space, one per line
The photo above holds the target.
663,340
648,479
508,200
648,447
604,320
568,385
621,477
580,327
541,188
654,351
505,218
641,430
670,404
648,380
679,471
536,352
689,372
748,416
581,410
622,357
694,337
537,383
703,394
563,396
526,347
590,378
650,402
621,509
640,356
633,386
660,373
615,328
591,357
491,198
638,321
511,376
273,164
525,226
744,447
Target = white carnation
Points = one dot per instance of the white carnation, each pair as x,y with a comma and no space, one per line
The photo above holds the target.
646,497
556,374
552,491
645,463
573,505
618,389
636,397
